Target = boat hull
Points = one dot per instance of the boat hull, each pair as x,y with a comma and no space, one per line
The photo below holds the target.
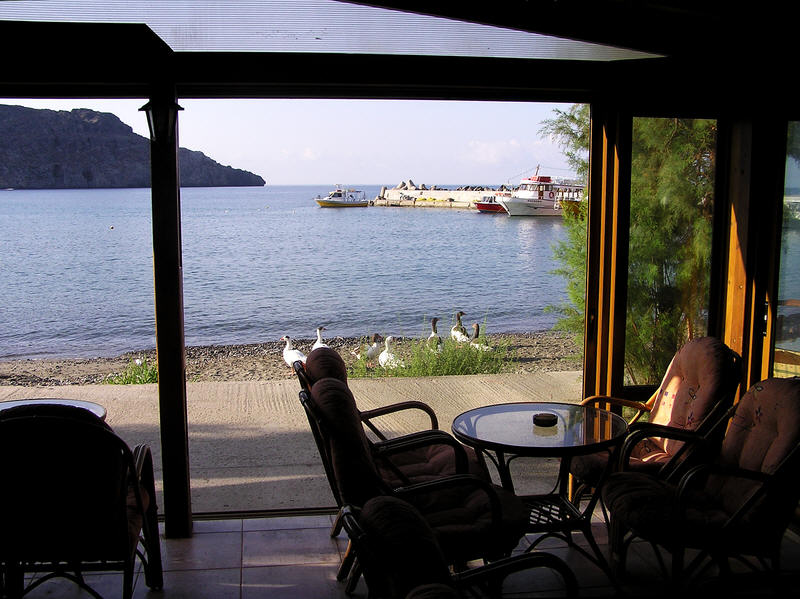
525,207
489,208
342,204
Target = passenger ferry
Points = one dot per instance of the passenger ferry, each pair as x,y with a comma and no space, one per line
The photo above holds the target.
539,195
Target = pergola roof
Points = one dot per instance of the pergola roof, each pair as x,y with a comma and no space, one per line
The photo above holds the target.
676,53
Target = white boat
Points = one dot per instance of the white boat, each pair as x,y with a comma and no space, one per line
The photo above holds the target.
539,195
343,198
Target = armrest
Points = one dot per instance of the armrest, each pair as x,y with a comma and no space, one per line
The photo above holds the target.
499,570
385,449
596,400
643,431
368,415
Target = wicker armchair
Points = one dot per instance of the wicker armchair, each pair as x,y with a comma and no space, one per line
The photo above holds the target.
82,500
737,504
698,388
401,557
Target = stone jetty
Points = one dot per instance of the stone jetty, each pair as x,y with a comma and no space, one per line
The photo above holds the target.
409,194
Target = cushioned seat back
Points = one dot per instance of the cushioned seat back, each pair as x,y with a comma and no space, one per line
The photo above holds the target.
335,408
65,490
325,362
763,433
703,372
399,550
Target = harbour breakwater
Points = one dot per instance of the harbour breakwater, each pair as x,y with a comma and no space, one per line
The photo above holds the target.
410,195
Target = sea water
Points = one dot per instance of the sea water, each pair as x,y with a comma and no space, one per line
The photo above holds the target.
260,263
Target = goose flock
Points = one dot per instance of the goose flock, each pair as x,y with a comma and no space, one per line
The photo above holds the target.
384,353
372,350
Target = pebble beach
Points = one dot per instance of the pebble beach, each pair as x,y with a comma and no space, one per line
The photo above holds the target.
544,351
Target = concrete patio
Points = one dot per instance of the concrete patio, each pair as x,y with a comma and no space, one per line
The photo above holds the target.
250,444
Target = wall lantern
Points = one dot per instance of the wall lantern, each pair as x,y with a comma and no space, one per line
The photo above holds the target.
161,118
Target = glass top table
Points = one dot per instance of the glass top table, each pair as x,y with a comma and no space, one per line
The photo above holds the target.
539,430
566,429
94,408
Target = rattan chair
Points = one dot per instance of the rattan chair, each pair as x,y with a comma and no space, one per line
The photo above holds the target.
402,459
473,518
735,505
75,499
698,388
401,557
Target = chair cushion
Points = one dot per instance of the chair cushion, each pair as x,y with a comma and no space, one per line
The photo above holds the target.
762,432
351,458
696,380
463,522
428,463
325,362
401,551
649,506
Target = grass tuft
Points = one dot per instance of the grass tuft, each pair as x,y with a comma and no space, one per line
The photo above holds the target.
138,372
454,359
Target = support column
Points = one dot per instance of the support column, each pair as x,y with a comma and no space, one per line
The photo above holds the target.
162,118
755,160
607,252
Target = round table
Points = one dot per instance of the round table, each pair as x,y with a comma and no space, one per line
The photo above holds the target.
513,430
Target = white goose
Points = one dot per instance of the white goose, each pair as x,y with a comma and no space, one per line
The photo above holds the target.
474,341
434,340
373,349
387,359
290,353
458,333
319,342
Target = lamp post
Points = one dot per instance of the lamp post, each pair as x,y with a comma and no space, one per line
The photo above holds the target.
162,120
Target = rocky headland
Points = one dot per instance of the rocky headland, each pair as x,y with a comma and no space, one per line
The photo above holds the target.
82,148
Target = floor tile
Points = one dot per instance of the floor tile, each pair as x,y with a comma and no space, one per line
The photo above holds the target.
203,551
195,584
288,522
286,547
291,582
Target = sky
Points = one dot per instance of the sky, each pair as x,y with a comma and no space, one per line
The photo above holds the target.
296,142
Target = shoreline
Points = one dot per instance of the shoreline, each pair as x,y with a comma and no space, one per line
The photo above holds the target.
540,351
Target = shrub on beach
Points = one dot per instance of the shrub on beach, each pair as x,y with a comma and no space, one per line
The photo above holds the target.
138,372
418,359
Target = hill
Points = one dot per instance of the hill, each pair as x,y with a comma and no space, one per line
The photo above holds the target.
81,148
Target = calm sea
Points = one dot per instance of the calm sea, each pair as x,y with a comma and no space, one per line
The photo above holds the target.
260,263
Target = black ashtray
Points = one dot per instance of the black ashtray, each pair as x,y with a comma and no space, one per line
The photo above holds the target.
545,419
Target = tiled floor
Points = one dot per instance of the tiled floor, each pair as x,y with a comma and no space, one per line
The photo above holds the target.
295,557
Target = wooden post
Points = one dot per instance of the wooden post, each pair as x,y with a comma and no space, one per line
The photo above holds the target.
162,111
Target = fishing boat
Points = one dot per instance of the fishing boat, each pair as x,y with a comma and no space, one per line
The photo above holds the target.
343,198
539,195
490,205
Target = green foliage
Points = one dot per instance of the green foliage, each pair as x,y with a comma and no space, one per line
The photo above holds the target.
672,183
138,372
670,245
418,359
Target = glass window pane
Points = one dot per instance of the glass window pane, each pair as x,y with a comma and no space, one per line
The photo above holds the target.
672,184
787,330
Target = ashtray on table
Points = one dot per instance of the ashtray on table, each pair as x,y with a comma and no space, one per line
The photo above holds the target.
545,419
